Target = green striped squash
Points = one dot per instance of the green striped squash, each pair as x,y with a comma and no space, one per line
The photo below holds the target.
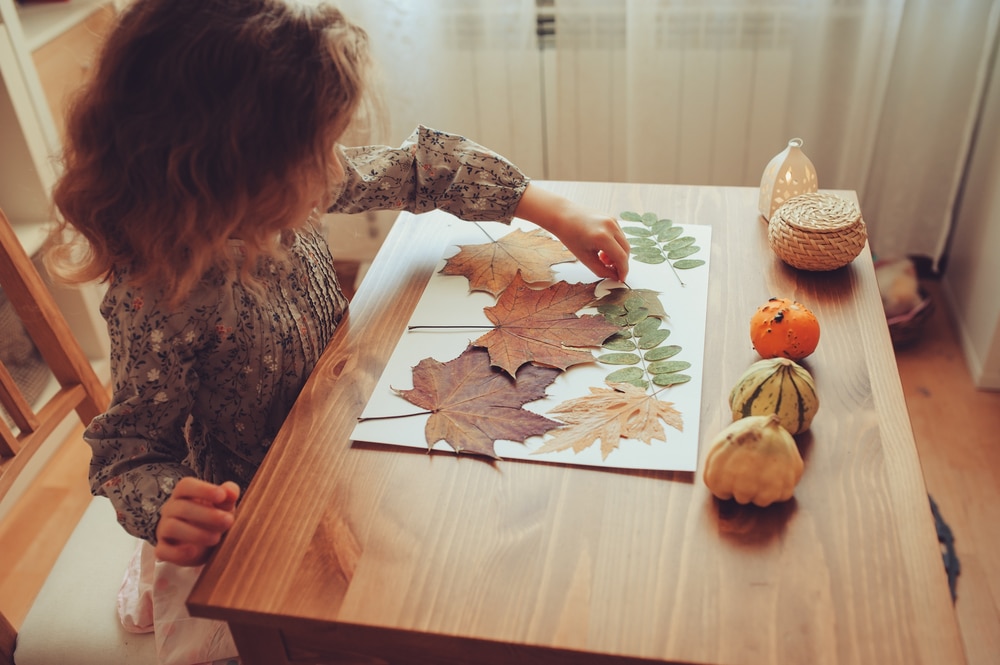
779,386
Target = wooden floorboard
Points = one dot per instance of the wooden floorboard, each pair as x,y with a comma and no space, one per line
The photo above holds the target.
954,425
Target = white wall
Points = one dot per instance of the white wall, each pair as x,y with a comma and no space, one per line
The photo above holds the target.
971,280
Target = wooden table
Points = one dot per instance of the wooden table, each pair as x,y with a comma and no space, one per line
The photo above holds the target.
356,553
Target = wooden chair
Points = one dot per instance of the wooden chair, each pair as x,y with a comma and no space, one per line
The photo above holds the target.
98,550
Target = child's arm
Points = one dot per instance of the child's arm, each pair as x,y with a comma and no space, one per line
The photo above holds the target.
193,520
595,239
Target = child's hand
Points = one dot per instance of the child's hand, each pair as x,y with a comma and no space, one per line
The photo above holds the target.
193,520
596,239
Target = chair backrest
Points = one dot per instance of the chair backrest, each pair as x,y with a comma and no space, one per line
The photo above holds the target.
79,388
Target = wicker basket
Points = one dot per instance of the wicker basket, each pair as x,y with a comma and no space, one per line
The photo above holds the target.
817,232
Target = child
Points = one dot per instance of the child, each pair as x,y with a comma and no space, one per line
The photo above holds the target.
197,161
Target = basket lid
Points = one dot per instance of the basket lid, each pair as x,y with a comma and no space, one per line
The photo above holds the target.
819,213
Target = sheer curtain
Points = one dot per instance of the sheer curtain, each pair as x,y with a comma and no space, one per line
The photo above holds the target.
463,66
885,94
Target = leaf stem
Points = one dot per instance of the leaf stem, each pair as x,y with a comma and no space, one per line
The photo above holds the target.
402,415
451,327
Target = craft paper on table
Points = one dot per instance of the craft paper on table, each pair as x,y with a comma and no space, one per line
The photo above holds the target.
447,301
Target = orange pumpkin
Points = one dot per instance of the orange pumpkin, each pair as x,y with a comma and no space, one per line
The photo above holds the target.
784,328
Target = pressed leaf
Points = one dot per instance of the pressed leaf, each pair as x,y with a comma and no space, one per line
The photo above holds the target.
683,252
646,327
649,257
662,352
649,218
619,358
619,342
620,296
661,226
541,326
639,241
631,375
652,339
637,231
687,264
608,415
681,242
664,380
473,405
630,216
670,234
491,266
667,366
636,315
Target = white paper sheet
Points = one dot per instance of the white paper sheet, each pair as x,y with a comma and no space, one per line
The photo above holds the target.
448,301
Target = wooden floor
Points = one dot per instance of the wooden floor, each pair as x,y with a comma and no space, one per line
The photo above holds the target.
955,427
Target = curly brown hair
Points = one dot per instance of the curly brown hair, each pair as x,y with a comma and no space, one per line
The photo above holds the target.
204,120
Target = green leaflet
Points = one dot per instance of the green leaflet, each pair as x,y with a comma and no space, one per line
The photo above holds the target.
664,380
619,358
661,353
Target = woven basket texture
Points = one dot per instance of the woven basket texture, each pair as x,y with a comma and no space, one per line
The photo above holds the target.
817,231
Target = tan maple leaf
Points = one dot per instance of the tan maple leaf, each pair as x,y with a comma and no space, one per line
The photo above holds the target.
608,415
473,404
491,266
541,326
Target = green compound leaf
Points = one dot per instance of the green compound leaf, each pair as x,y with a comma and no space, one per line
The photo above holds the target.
649,218
619,359
687,264
637,231
664,380
661,353
631,216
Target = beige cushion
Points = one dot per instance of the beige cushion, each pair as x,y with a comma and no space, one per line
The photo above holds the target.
74,618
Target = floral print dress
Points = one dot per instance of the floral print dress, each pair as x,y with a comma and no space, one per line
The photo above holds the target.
201,390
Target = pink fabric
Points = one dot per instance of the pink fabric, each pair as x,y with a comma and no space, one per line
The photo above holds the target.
152,598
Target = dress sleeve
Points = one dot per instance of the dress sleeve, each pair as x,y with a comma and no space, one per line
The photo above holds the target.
431,170
138,444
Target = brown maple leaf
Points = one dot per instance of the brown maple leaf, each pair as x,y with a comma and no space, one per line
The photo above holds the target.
541,326
491,266
473,405
608,415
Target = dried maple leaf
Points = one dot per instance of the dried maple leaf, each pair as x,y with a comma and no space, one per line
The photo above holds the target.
491,266
541,326
608,415
473,405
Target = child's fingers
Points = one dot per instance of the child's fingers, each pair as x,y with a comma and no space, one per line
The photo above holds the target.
192,489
